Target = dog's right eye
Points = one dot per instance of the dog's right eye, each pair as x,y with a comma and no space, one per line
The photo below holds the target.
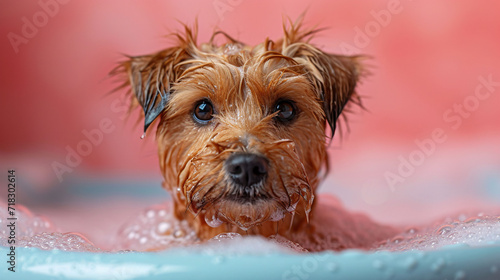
203,112
287,111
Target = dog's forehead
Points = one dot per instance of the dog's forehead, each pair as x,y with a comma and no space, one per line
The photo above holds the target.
241,74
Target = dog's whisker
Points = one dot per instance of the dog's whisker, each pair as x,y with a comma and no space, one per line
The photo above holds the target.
291,221
286,191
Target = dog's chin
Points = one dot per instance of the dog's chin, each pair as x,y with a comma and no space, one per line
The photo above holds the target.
245,214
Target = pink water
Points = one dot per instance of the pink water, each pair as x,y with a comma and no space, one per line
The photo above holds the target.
156,229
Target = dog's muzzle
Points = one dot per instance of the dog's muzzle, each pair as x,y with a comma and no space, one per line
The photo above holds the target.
246,170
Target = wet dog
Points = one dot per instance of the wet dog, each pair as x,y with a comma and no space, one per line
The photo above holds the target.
241,129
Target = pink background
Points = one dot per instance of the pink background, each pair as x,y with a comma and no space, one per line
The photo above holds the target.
427,57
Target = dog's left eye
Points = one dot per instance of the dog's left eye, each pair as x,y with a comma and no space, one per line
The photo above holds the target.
203,111
286,111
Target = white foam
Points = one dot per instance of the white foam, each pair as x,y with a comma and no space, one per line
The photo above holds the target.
27,224
37,231
474,231
155,229
61,241
235,244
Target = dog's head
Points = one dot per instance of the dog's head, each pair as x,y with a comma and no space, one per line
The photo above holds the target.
241,130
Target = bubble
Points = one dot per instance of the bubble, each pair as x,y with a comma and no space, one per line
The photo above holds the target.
61,241
284,242
226,236
444,229
155,228
471,231
213,221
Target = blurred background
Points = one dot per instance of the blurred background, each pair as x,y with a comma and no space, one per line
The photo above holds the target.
427,146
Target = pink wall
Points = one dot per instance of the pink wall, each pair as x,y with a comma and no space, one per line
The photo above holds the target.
427,57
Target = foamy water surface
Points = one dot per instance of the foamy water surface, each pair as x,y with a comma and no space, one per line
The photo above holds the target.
156,229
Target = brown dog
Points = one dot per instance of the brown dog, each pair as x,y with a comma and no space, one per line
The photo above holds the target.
241,129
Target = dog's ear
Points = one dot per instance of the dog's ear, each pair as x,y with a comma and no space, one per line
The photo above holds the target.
150,77
333,76
338,76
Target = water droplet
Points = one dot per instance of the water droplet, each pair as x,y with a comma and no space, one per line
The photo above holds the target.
410,263
444,229
494,269
150,214
331,266
460,275
378,264
163,227
131,235
218,260
277,215
179,233
213,221
143,135
397,239
438,265
412,230
292,207
143,240
472,220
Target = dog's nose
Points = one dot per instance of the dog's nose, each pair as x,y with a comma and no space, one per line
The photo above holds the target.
246,169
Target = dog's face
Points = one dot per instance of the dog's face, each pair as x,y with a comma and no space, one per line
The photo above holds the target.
241,130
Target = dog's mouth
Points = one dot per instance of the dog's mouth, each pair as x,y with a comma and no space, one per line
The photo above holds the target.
252,194
246,214
246,207
251,206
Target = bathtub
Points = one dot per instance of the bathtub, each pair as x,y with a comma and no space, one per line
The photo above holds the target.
245,258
